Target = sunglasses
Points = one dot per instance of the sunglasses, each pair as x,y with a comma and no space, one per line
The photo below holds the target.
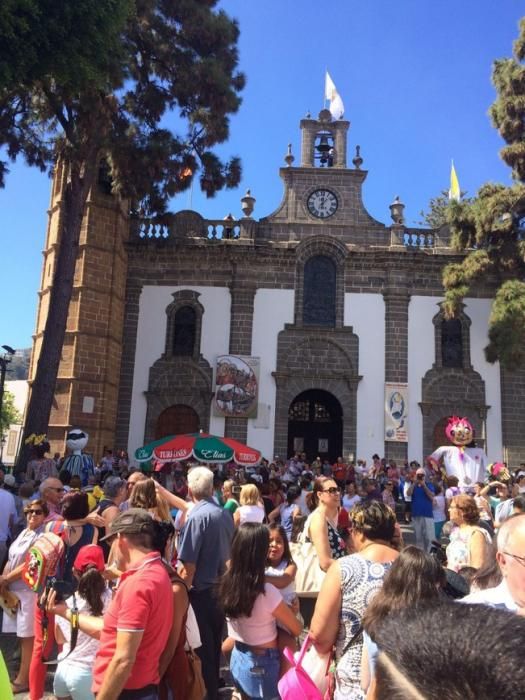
34,512
332,490
54,488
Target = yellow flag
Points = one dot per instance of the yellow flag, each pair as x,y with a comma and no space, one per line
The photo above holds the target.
454,192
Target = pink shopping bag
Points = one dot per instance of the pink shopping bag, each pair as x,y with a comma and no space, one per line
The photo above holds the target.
296,684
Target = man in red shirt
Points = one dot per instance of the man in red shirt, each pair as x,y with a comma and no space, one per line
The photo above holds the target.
134,631
339,471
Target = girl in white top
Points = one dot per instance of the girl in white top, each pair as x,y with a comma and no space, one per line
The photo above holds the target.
280,572
253,607
251,509
73,676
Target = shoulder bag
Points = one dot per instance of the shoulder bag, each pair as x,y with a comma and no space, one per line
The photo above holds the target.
309,575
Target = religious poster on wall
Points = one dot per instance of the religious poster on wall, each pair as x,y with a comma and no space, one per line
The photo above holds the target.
236,386
396,412
298,444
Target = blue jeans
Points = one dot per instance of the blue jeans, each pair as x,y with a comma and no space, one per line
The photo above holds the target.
73,682
255,674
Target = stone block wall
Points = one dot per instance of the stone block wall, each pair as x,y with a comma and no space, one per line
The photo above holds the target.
90,363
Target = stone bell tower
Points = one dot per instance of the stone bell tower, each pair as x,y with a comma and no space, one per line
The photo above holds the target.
87,385
323,140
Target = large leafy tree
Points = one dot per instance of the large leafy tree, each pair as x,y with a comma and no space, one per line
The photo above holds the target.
146,85
491,227
9,412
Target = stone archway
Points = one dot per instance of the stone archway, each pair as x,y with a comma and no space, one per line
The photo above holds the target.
315,425
452,392
327,362
178,381
177,420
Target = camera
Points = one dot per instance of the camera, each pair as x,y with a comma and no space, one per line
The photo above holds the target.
63,589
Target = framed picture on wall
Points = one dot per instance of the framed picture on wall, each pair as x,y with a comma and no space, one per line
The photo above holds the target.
298,444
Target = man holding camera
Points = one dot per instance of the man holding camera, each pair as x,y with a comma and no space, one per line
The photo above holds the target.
136,626
422,494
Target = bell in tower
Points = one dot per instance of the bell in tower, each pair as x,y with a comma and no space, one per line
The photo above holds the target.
323,142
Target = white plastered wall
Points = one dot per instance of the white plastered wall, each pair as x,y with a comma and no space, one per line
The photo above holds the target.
151,338
421,351
272,309
366,314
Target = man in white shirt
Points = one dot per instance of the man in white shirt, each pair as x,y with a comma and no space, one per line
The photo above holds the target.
510,593
7,519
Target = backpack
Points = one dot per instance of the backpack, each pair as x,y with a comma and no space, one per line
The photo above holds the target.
43,561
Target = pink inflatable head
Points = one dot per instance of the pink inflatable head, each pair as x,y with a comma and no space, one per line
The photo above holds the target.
459,431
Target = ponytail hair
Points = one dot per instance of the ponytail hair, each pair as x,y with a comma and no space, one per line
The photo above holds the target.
91,588
312,498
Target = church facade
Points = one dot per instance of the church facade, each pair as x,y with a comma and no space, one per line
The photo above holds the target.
334,308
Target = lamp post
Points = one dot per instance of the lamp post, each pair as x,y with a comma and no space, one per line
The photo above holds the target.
5,359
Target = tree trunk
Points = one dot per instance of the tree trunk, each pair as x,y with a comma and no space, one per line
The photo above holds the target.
43,386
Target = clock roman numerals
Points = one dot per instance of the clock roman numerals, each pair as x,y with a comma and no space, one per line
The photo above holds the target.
322,204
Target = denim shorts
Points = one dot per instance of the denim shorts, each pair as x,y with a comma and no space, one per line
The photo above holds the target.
73,682
255,674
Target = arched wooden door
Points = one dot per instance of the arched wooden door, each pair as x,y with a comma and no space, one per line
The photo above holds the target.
177,420
315,425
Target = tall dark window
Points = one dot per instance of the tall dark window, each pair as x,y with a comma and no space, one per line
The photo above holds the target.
184,331
452,343
319,292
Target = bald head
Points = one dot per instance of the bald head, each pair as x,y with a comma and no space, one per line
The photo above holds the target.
512,527
133,479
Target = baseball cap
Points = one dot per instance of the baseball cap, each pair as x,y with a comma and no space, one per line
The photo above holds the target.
9,480
134,521
420,471
90,554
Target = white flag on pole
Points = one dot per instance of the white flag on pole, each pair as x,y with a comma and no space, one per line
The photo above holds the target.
337,108
329,87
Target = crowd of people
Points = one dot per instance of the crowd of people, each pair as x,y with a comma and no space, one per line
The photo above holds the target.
164,574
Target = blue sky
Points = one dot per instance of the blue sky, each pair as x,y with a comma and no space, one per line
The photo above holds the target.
414,76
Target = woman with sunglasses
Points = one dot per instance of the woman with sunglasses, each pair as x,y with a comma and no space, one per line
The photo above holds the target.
348,588
324,502
11,579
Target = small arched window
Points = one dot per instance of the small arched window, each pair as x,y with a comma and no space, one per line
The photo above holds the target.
319,291
184,332
452,343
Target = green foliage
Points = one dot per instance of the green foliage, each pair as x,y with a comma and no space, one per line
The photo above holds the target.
490,227
508,110
507,325
112,77
437,213
146,86
9,412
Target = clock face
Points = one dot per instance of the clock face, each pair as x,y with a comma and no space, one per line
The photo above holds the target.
322,204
